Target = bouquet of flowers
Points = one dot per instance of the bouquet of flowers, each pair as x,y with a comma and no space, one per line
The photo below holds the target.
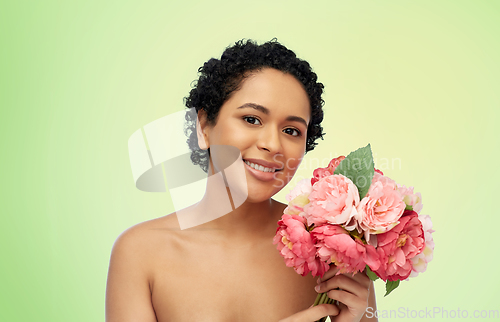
349,214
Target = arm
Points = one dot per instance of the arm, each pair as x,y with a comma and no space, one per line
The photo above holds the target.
128,294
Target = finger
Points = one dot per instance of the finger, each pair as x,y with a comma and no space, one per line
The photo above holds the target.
319,311
313,313
350,300
329,274
346,283
363,279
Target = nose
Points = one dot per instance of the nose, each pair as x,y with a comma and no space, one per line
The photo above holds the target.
269,140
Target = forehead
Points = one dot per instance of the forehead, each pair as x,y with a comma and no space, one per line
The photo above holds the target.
280,92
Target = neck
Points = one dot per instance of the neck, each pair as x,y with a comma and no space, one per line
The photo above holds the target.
236,220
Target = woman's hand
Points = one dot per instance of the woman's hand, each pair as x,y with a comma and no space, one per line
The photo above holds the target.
313,313
353,293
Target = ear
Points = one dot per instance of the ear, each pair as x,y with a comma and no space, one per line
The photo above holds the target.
201,129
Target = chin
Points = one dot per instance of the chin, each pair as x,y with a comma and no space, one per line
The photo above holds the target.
257,195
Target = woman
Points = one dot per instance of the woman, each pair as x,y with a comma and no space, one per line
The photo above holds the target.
264,101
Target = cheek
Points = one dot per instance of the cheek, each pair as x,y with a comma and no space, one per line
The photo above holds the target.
232,134
294,157
292,165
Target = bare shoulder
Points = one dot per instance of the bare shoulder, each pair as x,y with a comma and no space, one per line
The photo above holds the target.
142,239
144,229
131,270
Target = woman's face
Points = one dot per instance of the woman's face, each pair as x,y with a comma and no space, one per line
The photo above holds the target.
266,119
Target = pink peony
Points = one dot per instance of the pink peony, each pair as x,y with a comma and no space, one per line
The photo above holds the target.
421,260
333,164
297,246
411,199
324,172
298,198
381,208
333,200
320,173
330,169
397,247
296,206
335,245
303,187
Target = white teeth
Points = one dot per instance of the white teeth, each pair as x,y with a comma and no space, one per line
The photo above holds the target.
259,167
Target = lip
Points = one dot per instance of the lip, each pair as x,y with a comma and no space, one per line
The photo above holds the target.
264,163
263,176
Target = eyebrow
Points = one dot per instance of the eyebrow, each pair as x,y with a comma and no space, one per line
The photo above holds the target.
265,110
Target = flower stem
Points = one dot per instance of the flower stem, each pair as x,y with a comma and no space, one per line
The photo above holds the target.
318,297
322,298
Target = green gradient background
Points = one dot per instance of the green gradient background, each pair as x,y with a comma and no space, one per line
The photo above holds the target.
419,80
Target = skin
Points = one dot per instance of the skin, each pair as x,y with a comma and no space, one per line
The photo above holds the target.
228,269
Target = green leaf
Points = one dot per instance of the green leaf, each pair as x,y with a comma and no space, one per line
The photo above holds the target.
409,207
358,166
390,286
371,274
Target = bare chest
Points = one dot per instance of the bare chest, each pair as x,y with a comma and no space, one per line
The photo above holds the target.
213,283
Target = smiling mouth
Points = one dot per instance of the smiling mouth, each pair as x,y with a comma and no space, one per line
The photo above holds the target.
261,168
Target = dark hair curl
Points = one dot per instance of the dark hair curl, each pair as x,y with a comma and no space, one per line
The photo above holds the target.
219,78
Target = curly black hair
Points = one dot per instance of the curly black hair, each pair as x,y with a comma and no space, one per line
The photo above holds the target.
219,78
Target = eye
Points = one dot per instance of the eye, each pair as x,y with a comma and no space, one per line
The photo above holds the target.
251,120
292,131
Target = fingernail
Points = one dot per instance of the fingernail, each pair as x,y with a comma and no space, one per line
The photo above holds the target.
317,287
318,281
